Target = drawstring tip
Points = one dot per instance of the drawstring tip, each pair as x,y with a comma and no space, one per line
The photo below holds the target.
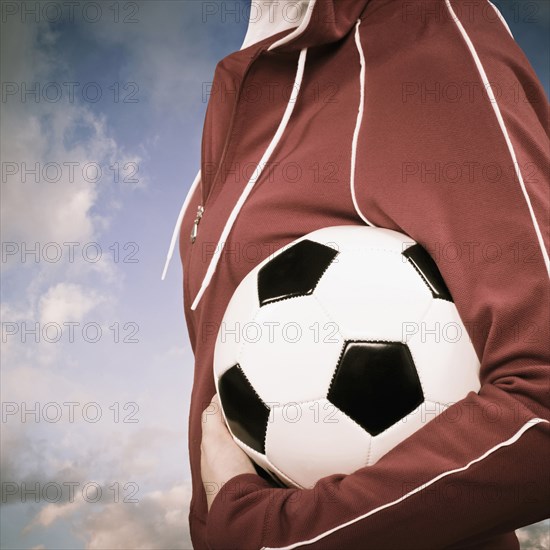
196,302
200,293
164,271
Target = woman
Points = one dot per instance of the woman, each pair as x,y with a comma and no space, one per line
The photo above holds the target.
421,116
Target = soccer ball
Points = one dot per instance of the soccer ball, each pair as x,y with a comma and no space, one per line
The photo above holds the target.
337,348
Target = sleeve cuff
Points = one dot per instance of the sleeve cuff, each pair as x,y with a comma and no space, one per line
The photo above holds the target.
224,513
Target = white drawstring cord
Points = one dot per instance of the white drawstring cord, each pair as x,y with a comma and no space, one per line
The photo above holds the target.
263,162
255,176
178,224
358,123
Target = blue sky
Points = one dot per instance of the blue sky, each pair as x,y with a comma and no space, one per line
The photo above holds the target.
149,60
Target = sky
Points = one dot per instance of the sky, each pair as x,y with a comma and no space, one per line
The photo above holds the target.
101,118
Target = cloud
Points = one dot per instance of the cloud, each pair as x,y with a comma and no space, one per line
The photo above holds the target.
37,329
535,537
158,521
28,461
66,302
56,154
130,517
50,513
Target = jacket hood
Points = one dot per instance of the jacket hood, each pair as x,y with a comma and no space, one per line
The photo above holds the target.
311,22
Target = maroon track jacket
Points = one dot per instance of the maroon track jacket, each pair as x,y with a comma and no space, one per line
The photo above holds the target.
425,117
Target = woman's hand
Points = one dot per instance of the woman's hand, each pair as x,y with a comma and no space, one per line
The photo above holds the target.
221,457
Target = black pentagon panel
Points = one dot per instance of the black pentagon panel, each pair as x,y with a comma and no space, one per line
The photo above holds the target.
428,270
294,272
246,413
376,384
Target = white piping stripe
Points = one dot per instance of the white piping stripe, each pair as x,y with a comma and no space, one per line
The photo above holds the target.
502,124
178,223
358,122
298,30
501,17
506,443
255,176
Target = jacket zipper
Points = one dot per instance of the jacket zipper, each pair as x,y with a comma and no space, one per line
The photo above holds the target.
201,208
195,228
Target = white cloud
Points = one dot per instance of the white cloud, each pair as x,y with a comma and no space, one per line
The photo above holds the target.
56,155
55,204
535,537
158,521
36,331
50,513
66,302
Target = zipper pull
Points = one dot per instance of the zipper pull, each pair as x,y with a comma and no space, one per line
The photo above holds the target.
195,229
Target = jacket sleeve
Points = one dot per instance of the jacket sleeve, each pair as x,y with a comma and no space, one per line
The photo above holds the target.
480,469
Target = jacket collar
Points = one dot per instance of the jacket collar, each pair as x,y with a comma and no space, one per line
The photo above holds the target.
308,22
